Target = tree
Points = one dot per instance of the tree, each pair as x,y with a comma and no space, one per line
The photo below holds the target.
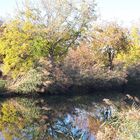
32,35
134,51
21,44
65,23
110,40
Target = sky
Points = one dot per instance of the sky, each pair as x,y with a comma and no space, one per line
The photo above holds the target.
123,11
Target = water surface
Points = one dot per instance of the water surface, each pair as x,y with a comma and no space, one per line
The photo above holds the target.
57,117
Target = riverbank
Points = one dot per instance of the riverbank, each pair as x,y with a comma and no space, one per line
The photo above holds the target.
132,89
66,80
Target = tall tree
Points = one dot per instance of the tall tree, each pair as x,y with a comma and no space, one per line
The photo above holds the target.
65,23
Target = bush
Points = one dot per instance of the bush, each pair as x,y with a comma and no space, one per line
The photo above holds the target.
28,83
83,68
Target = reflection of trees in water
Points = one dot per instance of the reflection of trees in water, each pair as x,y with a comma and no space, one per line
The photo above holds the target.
12,121
16,119
64,128
83,115
74,127
71,118
61,118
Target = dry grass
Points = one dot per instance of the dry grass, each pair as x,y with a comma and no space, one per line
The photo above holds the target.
124,126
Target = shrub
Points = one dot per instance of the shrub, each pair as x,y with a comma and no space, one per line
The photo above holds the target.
83,68
28,83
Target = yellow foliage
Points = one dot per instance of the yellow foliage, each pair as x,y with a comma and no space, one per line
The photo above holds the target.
11,120
133,55
18,46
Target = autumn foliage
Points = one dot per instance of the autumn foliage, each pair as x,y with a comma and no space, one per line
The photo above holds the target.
73,50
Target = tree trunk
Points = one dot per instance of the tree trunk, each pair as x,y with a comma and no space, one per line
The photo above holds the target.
110,57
